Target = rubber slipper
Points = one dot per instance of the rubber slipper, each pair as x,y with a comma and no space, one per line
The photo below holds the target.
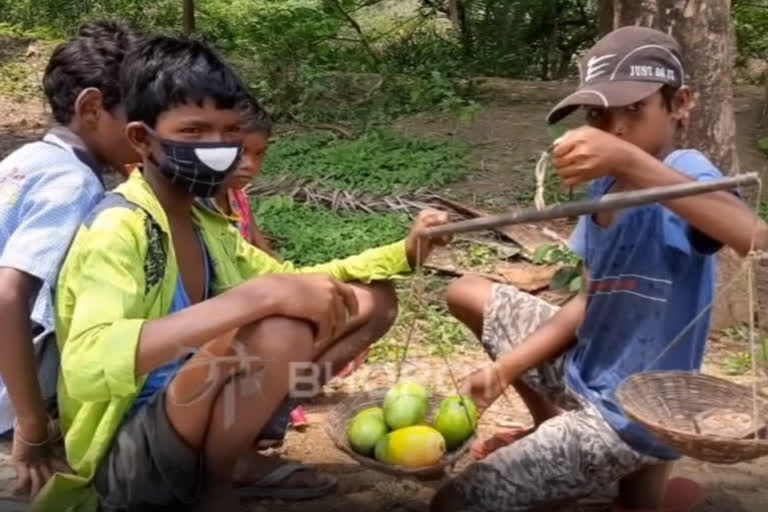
266,444
269,485
299,417
681,495
483,448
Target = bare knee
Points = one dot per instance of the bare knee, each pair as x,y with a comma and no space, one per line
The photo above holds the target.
384,310
279,339
466,298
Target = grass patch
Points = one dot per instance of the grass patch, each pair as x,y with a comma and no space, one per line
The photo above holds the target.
738,364
378,162
309,235
23,58
435,331
17,81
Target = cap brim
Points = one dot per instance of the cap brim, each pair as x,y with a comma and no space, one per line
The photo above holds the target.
604,94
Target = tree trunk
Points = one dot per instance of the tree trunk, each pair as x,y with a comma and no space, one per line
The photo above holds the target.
605,16
705,32
189,16
457,12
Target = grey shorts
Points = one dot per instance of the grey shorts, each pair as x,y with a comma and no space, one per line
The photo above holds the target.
571,456
150,468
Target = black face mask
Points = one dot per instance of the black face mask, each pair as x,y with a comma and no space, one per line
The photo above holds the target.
198,167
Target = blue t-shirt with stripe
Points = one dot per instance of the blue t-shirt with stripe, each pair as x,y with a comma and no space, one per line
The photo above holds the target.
651,274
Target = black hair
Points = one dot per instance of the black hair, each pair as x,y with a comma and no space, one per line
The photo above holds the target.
163,72
668,93
255,117
91,59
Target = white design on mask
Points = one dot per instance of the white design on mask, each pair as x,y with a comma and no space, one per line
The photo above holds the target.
218,159
597,66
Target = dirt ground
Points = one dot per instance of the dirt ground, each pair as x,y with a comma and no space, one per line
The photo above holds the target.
507,136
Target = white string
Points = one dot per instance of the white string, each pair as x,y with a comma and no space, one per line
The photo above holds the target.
752,355
541,177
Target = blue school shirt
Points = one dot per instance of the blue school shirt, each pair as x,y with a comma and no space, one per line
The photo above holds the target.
159,378
650,274
47,188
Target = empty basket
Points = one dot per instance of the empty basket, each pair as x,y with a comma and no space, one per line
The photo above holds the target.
702,417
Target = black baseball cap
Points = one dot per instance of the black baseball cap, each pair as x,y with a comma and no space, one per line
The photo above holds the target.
625,66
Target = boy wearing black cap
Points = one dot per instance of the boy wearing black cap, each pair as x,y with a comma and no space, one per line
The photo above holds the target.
649,278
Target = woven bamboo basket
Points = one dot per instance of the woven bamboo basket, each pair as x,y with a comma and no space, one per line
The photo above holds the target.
702,417
339,418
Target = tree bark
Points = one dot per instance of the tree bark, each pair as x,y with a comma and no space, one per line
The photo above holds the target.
189,16
457,12
705,32
605,16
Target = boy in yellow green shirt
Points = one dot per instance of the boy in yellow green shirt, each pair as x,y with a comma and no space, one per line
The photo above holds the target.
179,339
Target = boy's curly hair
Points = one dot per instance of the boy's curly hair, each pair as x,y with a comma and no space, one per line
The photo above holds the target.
91,59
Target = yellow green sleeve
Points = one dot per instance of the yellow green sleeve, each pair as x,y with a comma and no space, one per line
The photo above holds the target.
381,263
99,309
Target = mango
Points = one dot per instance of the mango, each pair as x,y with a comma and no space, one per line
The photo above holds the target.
456,420
405,404
412,447
364,432
381,452
406,388
377,412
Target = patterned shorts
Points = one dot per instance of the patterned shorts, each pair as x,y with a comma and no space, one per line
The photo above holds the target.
571,456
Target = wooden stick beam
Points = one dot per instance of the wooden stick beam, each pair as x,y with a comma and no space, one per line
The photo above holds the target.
615,201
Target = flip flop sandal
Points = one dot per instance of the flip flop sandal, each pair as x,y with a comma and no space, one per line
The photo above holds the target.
299,418
269,485
266,444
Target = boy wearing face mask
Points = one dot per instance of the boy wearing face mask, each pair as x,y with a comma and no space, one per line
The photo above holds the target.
46,189
180,340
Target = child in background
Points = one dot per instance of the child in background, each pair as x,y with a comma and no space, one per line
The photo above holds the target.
46,189
233,203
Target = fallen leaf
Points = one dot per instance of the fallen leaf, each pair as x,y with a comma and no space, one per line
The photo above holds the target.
526,276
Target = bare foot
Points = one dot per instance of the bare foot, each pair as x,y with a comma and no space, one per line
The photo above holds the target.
681,495
483,448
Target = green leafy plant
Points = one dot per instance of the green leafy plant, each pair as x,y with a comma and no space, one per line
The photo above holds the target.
378,162
763,144
739,363
477,256
740,334
309,235
569,276
435,331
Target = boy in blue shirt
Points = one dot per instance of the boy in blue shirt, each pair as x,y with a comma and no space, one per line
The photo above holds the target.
46,189
649,271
